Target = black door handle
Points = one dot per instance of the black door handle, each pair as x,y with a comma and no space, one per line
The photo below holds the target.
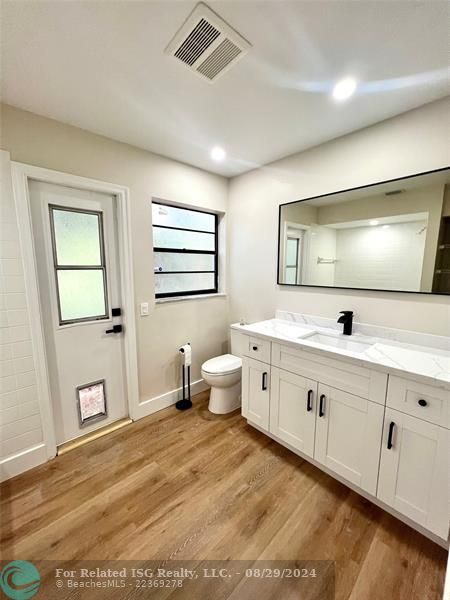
391,433
264,382
321,410
309,402
115,329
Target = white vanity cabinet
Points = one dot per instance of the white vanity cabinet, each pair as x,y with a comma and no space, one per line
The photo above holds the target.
348,434
256,392
387,436
337,429
336,373
293,409
414,470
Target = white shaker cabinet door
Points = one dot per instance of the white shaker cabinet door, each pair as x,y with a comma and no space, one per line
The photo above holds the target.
293,409
414,470
256,392
348,436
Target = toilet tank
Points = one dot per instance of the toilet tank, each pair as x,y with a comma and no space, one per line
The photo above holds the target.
239,343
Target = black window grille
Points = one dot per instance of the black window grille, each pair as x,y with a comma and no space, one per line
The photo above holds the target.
185,250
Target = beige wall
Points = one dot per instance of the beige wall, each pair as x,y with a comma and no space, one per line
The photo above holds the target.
414,142
46,143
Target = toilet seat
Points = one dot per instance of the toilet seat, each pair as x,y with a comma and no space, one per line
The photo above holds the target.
222,365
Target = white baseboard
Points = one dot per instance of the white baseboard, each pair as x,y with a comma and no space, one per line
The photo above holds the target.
22,461
152,405
32,457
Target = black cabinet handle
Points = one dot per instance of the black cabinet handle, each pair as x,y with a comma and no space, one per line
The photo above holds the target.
115,329
321,408
255,348
264,381
391,433
309,402
422,402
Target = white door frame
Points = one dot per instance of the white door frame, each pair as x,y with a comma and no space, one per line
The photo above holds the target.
21,175
286,226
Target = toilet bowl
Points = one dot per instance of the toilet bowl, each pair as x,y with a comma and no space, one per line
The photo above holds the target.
223,374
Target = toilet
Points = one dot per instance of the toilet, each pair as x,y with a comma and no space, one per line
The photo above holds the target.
223,374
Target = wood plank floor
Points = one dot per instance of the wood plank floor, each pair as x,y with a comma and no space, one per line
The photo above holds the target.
199,486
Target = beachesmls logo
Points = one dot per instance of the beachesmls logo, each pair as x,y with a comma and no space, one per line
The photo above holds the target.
19,580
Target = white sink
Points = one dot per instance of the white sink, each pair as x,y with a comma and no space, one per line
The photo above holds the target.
334,341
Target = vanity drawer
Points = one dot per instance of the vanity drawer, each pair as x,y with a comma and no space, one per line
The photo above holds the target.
259,349
426,402
338,374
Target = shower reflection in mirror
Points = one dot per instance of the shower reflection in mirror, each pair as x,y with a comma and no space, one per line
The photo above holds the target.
389,236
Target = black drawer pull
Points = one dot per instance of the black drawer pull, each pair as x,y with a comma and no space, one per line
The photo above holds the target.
255,348
422,402
321,405
264,382
391,433
309,402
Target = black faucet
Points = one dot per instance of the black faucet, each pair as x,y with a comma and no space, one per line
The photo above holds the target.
347,320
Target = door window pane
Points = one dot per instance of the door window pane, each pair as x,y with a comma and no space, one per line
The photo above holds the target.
291,275
183,261
172,216
291,251
77,238
183,282
190,240
81,294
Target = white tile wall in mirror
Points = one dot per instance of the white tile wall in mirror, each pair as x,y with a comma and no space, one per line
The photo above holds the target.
389,236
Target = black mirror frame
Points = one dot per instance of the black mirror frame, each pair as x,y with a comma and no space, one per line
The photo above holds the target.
335,287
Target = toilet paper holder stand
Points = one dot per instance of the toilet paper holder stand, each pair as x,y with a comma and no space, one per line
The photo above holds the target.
185,402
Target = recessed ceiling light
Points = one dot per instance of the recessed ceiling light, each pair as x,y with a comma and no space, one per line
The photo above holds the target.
344,88
373,222
218,153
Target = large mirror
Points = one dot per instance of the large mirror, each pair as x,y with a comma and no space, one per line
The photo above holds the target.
392,236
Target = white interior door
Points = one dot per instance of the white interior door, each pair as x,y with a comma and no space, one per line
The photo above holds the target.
75,239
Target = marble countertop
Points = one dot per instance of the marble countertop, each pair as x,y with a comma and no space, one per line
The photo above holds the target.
423,357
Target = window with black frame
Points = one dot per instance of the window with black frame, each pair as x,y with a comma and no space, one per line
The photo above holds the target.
185,250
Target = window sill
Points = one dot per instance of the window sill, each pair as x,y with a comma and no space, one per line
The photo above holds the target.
184,298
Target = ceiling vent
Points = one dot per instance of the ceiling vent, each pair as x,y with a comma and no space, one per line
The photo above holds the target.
207,45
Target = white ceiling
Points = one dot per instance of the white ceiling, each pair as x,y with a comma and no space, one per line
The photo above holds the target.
101,66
